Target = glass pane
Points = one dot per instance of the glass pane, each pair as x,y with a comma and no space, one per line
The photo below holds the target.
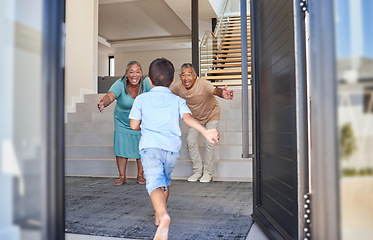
20,128
354,37
112,66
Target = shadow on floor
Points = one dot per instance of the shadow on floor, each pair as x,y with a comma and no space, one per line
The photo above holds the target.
216,210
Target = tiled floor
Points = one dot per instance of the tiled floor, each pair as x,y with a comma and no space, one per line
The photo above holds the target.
254,234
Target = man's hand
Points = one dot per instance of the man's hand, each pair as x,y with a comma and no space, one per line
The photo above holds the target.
224,93
227,94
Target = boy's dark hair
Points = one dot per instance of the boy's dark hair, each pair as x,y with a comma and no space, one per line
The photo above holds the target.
161,72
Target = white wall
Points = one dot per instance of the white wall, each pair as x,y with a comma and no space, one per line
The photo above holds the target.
217,5
103,64
177,57
81,50
233,7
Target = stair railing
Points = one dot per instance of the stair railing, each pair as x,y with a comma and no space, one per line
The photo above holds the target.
222,25
206,53
212,41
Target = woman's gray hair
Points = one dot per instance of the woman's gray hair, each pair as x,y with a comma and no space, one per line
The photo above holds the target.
125,79
188,65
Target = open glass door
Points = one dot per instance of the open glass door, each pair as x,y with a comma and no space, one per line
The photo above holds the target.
31,141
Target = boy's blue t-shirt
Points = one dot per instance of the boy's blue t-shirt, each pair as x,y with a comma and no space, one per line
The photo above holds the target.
159,111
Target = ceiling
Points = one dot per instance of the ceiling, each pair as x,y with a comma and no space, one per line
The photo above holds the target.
145,25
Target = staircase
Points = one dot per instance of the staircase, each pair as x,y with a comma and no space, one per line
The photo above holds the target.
221,53
89,143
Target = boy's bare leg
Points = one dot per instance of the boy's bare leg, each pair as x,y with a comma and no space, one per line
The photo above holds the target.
167,193
158,198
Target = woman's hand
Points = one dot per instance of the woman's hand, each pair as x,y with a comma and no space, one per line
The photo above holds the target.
106,101
101,105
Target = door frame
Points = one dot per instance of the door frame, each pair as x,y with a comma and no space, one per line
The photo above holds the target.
325,204
53,136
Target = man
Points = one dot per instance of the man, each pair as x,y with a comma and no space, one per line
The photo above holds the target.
199,96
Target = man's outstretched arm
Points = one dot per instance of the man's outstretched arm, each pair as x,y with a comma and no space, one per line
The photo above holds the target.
224,93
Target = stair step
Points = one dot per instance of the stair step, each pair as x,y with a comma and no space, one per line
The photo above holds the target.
228,77
107,151
234,25
226,71
232,51
230,60
233,47
89,138
230,65
233,35
77,140
208,55
89,127
230,55
222,169
234,28
233,20
237,36
226,39
233,42
92,107
227,83
207,63
236,21
235,32
93,98
90,116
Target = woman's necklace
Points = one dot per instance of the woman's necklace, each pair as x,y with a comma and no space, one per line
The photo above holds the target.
133,90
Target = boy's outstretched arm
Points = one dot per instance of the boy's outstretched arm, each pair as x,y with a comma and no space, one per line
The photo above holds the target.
210,134
135,124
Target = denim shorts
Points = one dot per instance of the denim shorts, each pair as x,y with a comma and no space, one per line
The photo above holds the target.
158,165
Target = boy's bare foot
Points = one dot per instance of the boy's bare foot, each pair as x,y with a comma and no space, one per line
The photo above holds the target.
162,230
141,179
156,222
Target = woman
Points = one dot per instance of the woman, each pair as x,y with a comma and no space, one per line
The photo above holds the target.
126,140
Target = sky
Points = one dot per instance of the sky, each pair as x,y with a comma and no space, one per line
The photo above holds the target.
354,28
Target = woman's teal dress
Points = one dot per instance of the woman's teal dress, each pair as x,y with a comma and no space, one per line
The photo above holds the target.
126,140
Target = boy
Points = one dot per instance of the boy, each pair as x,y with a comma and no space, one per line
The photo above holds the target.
156,113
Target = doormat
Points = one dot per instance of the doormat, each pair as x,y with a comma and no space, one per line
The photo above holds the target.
216,210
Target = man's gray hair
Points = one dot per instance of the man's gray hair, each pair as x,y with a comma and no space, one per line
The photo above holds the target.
188,65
